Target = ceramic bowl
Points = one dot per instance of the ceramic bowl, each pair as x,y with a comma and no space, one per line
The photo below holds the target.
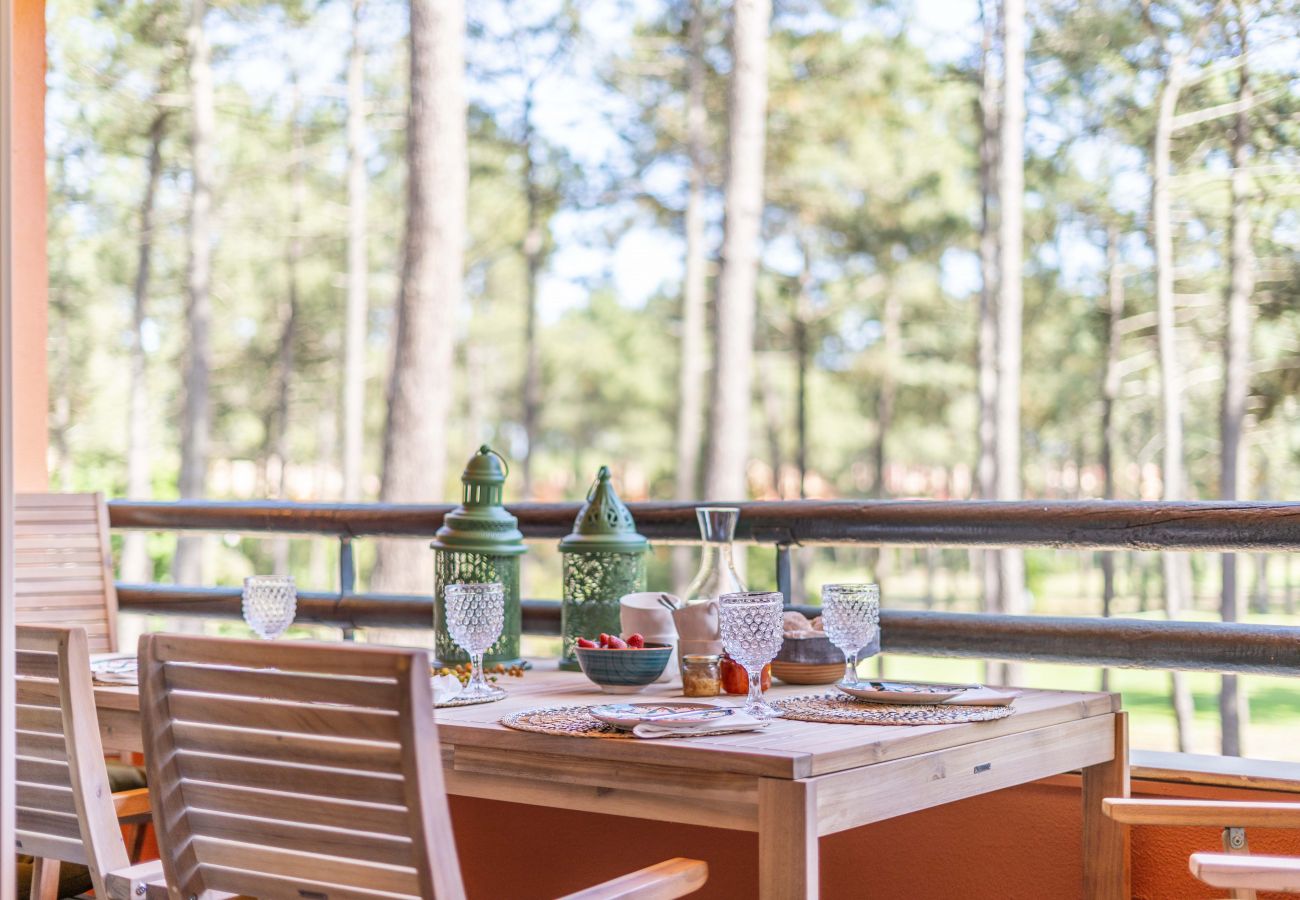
807,673
624,671
810,660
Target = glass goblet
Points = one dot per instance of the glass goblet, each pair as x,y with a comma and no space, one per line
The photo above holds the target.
851,618
752,634
269,605
476,613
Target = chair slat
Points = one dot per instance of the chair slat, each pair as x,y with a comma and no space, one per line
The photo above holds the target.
36,692
292,864
50,571
335,784
42,746
287,717
42,771
63,556
26,540
89,616
285,686
46,821
37,843
59,587
395,850
307,749
272,805
44,796
39,718
289,656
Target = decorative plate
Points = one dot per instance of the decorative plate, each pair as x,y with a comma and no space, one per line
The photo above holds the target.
630,715
904,692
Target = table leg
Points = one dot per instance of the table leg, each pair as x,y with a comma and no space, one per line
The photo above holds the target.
787,840
1105,841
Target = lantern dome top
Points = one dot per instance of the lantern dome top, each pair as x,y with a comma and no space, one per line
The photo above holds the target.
604,524
481,524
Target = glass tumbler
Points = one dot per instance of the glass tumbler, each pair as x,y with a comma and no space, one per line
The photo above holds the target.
270,602
851,617
752,634
476,613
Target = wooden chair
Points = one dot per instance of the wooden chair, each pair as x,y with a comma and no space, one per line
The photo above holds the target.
63,565
308,770
65,812
1234,869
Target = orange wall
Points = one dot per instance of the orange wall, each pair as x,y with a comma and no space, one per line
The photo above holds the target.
31,391
1018,844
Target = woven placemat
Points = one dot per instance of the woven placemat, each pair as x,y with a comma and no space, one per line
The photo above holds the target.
841,710
574,721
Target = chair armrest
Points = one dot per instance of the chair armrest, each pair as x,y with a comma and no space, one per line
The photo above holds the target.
130,804
133,882
1215,813
1236,871
669,879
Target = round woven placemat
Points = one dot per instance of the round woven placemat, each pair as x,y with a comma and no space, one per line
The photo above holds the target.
846,711
472,701
574,721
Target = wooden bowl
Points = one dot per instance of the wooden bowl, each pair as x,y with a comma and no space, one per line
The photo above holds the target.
808,673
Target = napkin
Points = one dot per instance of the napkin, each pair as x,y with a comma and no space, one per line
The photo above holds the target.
114,668
738,722
445,687
983,696
698,628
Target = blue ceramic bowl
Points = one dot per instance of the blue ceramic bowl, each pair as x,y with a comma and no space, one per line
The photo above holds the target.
624,671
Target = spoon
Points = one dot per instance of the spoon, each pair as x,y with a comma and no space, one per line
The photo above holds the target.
667,603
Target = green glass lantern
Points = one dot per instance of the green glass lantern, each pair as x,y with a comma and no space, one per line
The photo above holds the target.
604,558
479,542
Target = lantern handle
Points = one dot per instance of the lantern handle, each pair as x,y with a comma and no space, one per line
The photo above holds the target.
485,450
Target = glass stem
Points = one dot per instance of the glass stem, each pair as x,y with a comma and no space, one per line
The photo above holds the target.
851,667
476,680
755,696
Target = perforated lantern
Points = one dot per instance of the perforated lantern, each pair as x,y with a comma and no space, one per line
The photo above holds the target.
479,541
604,558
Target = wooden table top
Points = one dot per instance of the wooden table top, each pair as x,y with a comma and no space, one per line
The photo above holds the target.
785,749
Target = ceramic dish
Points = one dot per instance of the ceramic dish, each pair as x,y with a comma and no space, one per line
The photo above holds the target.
807,673
629,715
904,692
624,671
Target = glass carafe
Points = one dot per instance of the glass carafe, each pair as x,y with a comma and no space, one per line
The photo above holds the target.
717,574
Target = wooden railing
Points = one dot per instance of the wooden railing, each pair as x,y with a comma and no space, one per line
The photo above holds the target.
1131,643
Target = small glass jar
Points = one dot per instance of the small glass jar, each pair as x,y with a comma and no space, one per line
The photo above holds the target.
701,675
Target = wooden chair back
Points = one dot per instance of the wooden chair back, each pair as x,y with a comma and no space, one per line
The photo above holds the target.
63,572
295,769
64,806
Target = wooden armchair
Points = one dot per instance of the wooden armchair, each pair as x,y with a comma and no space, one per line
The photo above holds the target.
1234,869
64,810
295,769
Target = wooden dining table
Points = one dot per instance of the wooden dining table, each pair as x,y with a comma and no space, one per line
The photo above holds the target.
791,783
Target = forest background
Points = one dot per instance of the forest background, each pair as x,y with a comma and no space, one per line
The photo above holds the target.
324,249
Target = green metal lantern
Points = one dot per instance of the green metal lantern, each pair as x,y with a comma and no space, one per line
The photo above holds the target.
479,542
604,558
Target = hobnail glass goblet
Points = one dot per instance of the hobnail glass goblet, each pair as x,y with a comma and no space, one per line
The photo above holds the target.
476,614
752,633
851,618
270,602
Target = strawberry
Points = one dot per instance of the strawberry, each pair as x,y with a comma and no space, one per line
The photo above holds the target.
636,642
604,640
586,644
617,643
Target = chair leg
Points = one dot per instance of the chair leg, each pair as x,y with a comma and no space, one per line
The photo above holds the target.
137,841
45,879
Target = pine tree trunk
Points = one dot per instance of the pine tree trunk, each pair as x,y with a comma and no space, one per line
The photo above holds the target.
890,320
419,391
987,334
1109,396
1233,707
355,328
771,423
738,276
1011,186
532,248
277,443
136,566
1171,378
803,361
694,364
196,414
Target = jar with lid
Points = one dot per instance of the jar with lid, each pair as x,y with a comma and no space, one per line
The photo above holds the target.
701,675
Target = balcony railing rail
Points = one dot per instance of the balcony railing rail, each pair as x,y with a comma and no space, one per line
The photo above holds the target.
1087,525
